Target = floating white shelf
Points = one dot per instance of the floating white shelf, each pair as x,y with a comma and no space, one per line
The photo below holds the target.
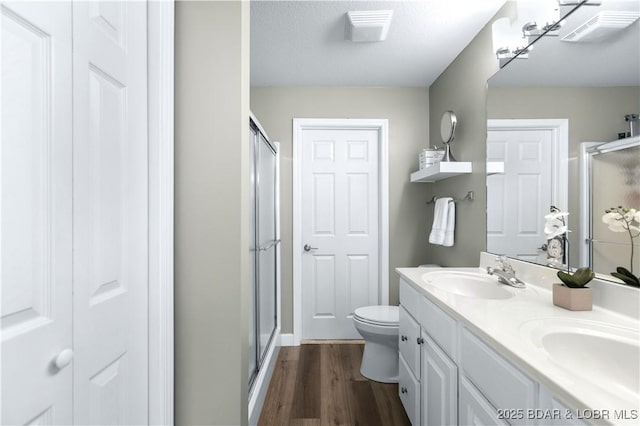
441,171
495,167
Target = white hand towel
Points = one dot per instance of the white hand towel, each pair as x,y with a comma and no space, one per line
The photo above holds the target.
451,225
440,219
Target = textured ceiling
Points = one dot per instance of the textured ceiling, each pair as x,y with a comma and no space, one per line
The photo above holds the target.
301,43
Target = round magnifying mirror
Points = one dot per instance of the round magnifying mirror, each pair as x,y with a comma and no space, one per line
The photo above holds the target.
447,132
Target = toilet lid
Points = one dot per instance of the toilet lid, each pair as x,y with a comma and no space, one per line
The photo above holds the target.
380,315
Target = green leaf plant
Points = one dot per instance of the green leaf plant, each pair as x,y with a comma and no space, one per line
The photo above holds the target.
626,276
579,279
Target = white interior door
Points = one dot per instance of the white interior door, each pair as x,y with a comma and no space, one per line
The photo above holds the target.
36,212
518,200
339,229
110,213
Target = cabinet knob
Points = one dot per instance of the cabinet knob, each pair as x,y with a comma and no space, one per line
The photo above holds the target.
420,340
63,359
404,390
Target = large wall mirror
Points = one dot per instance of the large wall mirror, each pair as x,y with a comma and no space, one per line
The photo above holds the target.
540,111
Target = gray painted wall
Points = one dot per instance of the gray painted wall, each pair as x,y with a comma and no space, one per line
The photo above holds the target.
211,212
462,88
596,114
407,110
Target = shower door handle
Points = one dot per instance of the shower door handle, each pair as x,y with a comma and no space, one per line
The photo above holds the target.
307,247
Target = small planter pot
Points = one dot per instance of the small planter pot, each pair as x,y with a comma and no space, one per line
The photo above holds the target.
573,299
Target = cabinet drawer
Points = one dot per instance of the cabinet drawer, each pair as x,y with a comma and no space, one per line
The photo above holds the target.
440,326
408,334
503,384
409,392
409,298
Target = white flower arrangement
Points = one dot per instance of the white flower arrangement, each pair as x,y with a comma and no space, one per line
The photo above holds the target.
555,223
555,228
624,219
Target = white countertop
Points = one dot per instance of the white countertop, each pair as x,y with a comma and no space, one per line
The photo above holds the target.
503,324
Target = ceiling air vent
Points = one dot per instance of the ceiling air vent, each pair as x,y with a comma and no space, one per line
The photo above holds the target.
368,25
603,25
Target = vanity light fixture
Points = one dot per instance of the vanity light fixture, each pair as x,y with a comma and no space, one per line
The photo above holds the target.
508,43
505,55
542,16
513,38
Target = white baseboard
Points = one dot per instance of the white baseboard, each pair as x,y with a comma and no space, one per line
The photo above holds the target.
287,340
261,385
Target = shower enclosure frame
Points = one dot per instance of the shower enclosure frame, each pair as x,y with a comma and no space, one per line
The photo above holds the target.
263,344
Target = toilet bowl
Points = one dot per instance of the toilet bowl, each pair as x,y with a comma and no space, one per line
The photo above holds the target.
378,325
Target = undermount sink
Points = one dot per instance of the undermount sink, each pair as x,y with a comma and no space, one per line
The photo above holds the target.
468,283
605,354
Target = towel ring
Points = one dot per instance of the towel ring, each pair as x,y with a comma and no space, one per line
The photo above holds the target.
468,197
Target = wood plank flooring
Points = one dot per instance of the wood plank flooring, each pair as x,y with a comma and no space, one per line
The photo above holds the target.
321,384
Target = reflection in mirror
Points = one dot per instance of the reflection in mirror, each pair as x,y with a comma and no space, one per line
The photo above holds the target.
611,183
539,111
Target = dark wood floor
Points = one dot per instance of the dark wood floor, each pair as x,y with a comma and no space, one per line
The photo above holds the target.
321,384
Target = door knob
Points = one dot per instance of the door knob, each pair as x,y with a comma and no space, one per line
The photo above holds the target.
307,247
63,359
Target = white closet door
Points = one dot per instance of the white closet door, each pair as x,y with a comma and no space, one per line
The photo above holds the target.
339,228
36,212
110,213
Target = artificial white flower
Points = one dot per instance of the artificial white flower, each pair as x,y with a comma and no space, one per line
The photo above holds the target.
621,222
623,219
630,215
614,221
555,224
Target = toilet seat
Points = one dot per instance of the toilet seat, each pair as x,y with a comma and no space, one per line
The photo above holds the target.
381,316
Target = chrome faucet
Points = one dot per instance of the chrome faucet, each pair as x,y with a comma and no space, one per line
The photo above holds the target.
505,273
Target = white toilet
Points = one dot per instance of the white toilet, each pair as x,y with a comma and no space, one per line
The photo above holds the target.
378,325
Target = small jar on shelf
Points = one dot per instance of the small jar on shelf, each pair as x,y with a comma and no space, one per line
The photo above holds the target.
430,156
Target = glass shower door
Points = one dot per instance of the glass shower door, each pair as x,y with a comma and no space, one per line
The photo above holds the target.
266,183
253,349
614,181
263,250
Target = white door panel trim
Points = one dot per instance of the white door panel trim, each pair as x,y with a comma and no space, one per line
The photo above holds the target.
299,126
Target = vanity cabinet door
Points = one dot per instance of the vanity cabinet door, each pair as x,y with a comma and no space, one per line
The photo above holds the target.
474,409
408,335
439,384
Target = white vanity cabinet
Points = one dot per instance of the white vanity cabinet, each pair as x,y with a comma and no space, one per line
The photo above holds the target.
409,351
450,376
409,369
428,380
